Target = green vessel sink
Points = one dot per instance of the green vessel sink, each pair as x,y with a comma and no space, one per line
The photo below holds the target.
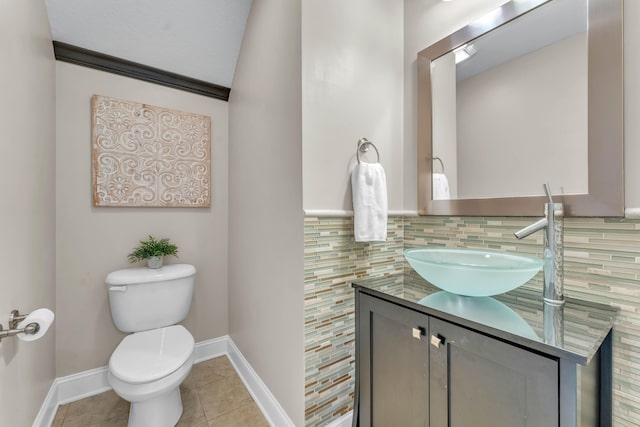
473,272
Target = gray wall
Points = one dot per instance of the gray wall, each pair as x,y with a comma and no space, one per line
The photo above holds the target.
632,103
351,88
92,241
500,153
27,207
265,202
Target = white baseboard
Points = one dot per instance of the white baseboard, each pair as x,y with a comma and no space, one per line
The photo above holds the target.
211,349
271,409
48,409
83,384
89,383
343,421
69,389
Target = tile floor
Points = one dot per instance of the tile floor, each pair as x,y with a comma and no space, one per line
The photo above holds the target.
213,395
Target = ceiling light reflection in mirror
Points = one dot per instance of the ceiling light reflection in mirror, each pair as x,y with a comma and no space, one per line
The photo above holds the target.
510,108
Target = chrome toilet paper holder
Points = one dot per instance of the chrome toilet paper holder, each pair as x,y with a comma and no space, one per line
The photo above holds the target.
14,319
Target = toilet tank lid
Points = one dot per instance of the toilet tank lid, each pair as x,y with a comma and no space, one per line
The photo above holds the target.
134,276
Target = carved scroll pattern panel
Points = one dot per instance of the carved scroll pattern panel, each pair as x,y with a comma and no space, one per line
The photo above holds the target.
149,156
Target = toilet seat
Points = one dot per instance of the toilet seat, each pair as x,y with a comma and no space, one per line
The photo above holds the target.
148,356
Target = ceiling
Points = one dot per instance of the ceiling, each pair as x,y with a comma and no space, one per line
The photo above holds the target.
200,39
543,26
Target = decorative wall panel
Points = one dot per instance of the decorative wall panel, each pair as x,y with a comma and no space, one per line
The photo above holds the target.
149,156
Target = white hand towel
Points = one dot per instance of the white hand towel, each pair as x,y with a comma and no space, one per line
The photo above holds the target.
440,187
369,189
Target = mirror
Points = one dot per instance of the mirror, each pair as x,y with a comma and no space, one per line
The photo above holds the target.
530,93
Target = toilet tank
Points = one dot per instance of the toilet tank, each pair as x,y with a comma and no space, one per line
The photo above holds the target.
145,298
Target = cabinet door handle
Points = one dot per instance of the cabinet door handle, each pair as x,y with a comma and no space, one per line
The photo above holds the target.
418,333
436,341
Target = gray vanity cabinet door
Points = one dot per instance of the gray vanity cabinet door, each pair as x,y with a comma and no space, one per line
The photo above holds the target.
482,382
394,365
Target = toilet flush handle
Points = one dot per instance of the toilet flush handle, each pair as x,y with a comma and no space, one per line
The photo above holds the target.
118,288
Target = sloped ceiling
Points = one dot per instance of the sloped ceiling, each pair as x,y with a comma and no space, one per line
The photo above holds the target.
544,26
195,38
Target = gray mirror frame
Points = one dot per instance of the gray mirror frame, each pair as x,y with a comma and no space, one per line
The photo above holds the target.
605,117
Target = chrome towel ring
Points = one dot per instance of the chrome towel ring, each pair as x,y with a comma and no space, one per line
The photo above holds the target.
440,160
363,146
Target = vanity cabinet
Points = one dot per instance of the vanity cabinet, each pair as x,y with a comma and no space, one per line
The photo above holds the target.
393,365
479,381
419,366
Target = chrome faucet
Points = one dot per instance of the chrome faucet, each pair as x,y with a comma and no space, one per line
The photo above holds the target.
552,223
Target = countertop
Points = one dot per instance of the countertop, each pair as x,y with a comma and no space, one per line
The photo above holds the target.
574,332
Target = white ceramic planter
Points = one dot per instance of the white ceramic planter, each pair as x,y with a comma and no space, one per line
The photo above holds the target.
154,262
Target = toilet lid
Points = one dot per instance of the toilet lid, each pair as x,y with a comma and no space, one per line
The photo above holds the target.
150,355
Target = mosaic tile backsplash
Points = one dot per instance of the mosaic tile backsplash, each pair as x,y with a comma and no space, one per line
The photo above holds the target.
332,259
602,264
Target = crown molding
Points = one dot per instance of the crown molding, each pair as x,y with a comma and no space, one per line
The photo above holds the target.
111,64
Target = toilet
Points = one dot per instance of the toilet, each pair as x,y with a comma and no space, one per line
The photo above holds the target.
151,362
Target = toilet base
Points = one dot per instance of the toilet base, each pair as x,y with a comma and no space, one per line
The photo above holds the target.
162,411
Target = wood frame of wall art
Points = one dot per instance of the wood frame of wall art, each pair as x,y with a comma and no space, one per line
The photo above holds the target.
147,156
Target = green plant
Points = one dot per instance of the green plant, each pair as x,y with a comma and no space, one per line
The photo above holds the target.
152,247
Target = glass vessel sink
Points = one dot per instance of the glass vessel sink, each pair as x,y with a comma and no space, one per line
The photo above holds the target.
473,272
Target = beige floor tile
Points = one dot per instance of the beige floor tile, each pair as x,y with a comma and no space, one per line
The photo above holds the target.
202,423
246,416
106,409
223,396
192,412
212,392
212,370
59,419
118,421
190,381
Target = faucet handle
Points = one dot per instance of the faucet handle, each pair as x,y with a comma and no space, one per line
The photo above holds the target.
547,190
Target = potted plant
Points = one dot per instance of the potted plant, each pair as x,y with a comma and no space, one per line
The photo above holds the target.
153,251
